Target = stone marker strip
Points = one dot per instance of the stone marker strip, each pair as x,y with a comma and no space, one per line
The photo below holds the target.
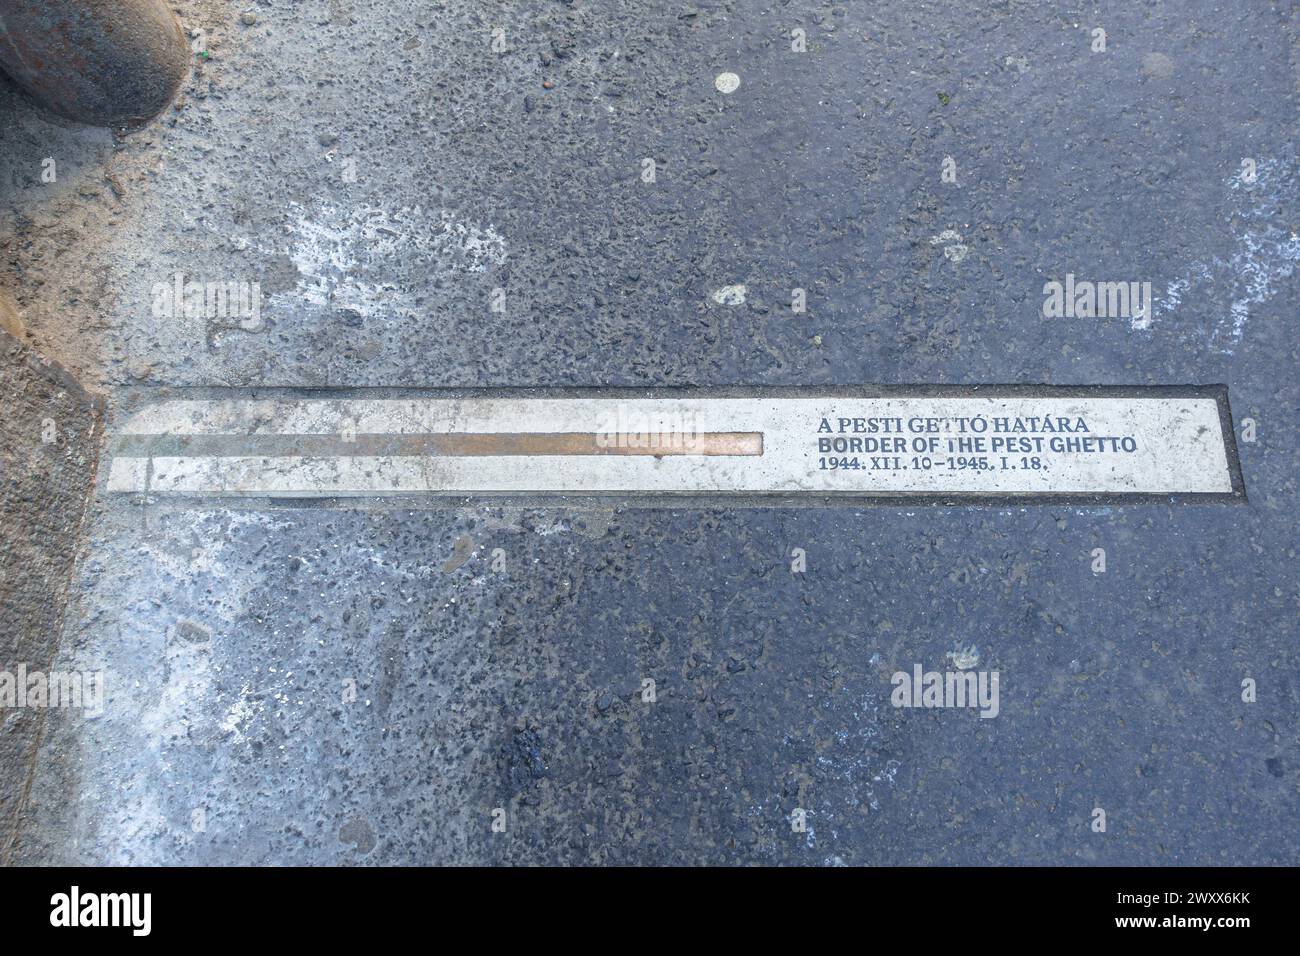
772,445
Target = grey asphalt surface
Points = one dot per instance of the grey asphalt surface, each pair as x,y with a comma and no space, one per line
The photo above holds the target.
381,170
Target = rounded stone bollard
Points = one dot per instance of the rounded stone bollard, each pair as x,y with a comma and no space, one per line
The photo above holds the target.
102,62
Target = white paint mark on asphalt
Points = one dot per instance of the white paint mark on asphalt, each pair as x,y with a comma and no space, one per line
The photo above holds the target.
356,260
730,295
953,247
1265,253
1140,320
240,714
964,658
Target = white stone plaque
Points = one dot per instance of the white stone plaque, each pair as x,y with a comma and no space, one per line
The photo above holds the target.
784,444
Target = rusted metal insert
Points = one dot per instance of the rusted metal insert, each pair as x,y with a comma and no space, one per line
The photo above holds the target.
455,445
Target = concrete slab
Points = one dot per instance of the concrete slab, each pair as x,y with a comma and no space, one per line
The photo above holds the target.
767,445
